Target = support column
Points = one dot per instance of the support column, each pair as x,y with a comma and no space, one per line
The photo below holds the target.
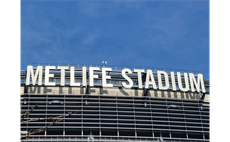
185,122
117,121
150,105
201,121
82,117
99,116
134,116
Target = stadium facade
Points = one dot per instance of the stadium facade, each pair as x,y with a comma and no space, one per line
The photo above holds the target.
115,103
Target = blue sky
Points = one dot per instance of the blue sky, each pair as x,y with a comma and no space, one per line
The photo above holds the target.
151,33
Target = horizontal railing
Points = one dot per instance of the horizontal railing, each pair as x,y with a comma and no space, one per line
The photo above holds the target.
121,95
113,67
120,128
110,138
112,98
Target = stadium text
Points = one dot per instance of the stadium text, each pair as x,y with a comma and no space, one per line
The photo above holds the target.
184,82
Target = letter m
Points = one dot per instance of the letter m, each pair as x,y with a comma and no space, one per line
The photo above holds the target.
200,82
38,74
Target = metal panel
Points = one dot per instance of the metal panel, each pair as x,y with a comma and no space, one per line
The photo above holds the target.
119,117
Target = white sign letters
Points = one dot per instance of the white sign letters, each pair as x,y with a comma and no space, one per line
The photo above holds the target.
162,81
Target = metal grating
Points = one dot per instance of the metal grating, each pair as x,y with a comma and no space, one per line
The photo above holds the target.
116,118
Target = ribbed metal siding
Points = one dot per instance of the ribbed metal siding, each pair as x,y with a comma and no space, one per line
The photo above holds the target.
117,118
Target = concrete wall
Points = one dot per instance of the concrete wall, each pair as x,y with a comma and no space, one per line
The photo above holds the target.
22,90
207,98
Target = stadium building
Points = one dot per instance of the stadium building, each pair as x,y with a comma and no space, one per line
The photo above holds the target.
115,103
